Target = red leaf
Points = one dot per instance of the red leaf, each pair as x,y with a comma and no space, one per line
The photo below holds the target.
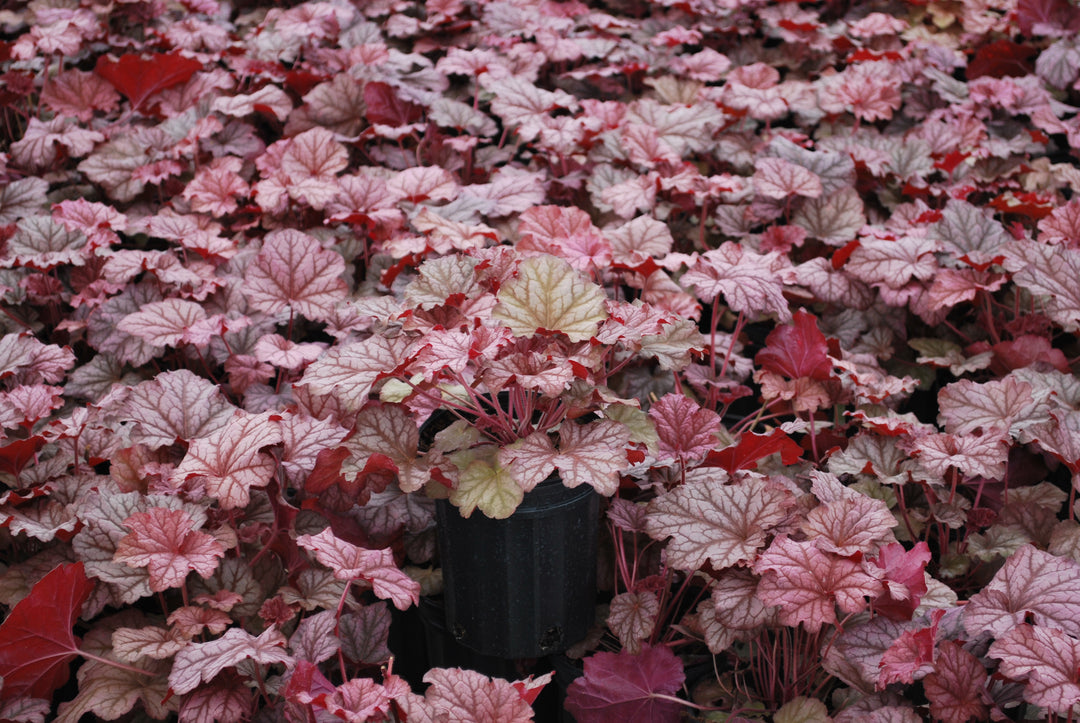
386,108
36,642
1002,58
951,160
530,689
140,77
905,580
308,685
327,472
751,448
1032,205
796,350
18,454
302,82
621,687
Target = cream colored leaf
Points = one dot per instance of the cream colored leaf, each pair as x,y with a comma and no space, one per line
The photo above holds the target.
488,487
548,294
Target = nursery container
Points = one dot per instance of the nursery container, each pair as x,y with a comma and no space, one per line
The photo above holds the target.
525,586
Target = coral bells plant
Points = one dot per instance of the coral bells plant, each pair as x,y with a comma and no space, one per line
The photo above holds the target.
519,347
793,285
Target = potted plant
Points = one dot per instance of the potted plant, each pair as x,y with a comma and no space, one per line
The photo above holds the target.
509,357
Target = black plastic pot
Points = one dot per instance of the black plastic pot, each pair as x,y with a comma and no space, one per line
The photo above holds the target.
523,587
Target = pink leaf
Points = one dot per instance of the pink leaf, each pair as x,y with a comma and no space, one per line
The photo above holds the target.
856,652
387,430
311,163
166,542
624,687
349,562
315,639
709,522
1030,582
216,187
639,240
910,657
424,183
632,618
359,700
750,283
834,218
176,406
470,697
304,437
565,232
808,584
1005,405
157,643
268,98
1047,659
518,102
226,699
686,430
28,403
734,612
592,453
278,351
1060,436
971,233
79,93
42,243
778,178
200,663
349,371
975,455
893,261
848,522
904,578
163,323
25,360
294,270
229,460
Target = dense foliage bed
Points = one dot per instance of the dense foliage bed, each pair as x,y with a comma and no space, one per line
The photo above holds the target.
795,286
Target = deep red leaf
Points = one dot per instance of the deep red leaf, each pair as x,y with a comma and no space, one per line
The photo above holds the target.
902,569
386,108
36,641
840,257
327,472
621,687
302,82
1000,59
796,350
308,685
751,448
139,77
19,453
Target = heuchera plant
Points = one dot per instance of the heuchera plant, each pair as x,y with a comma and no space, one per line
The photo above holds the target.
795,285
